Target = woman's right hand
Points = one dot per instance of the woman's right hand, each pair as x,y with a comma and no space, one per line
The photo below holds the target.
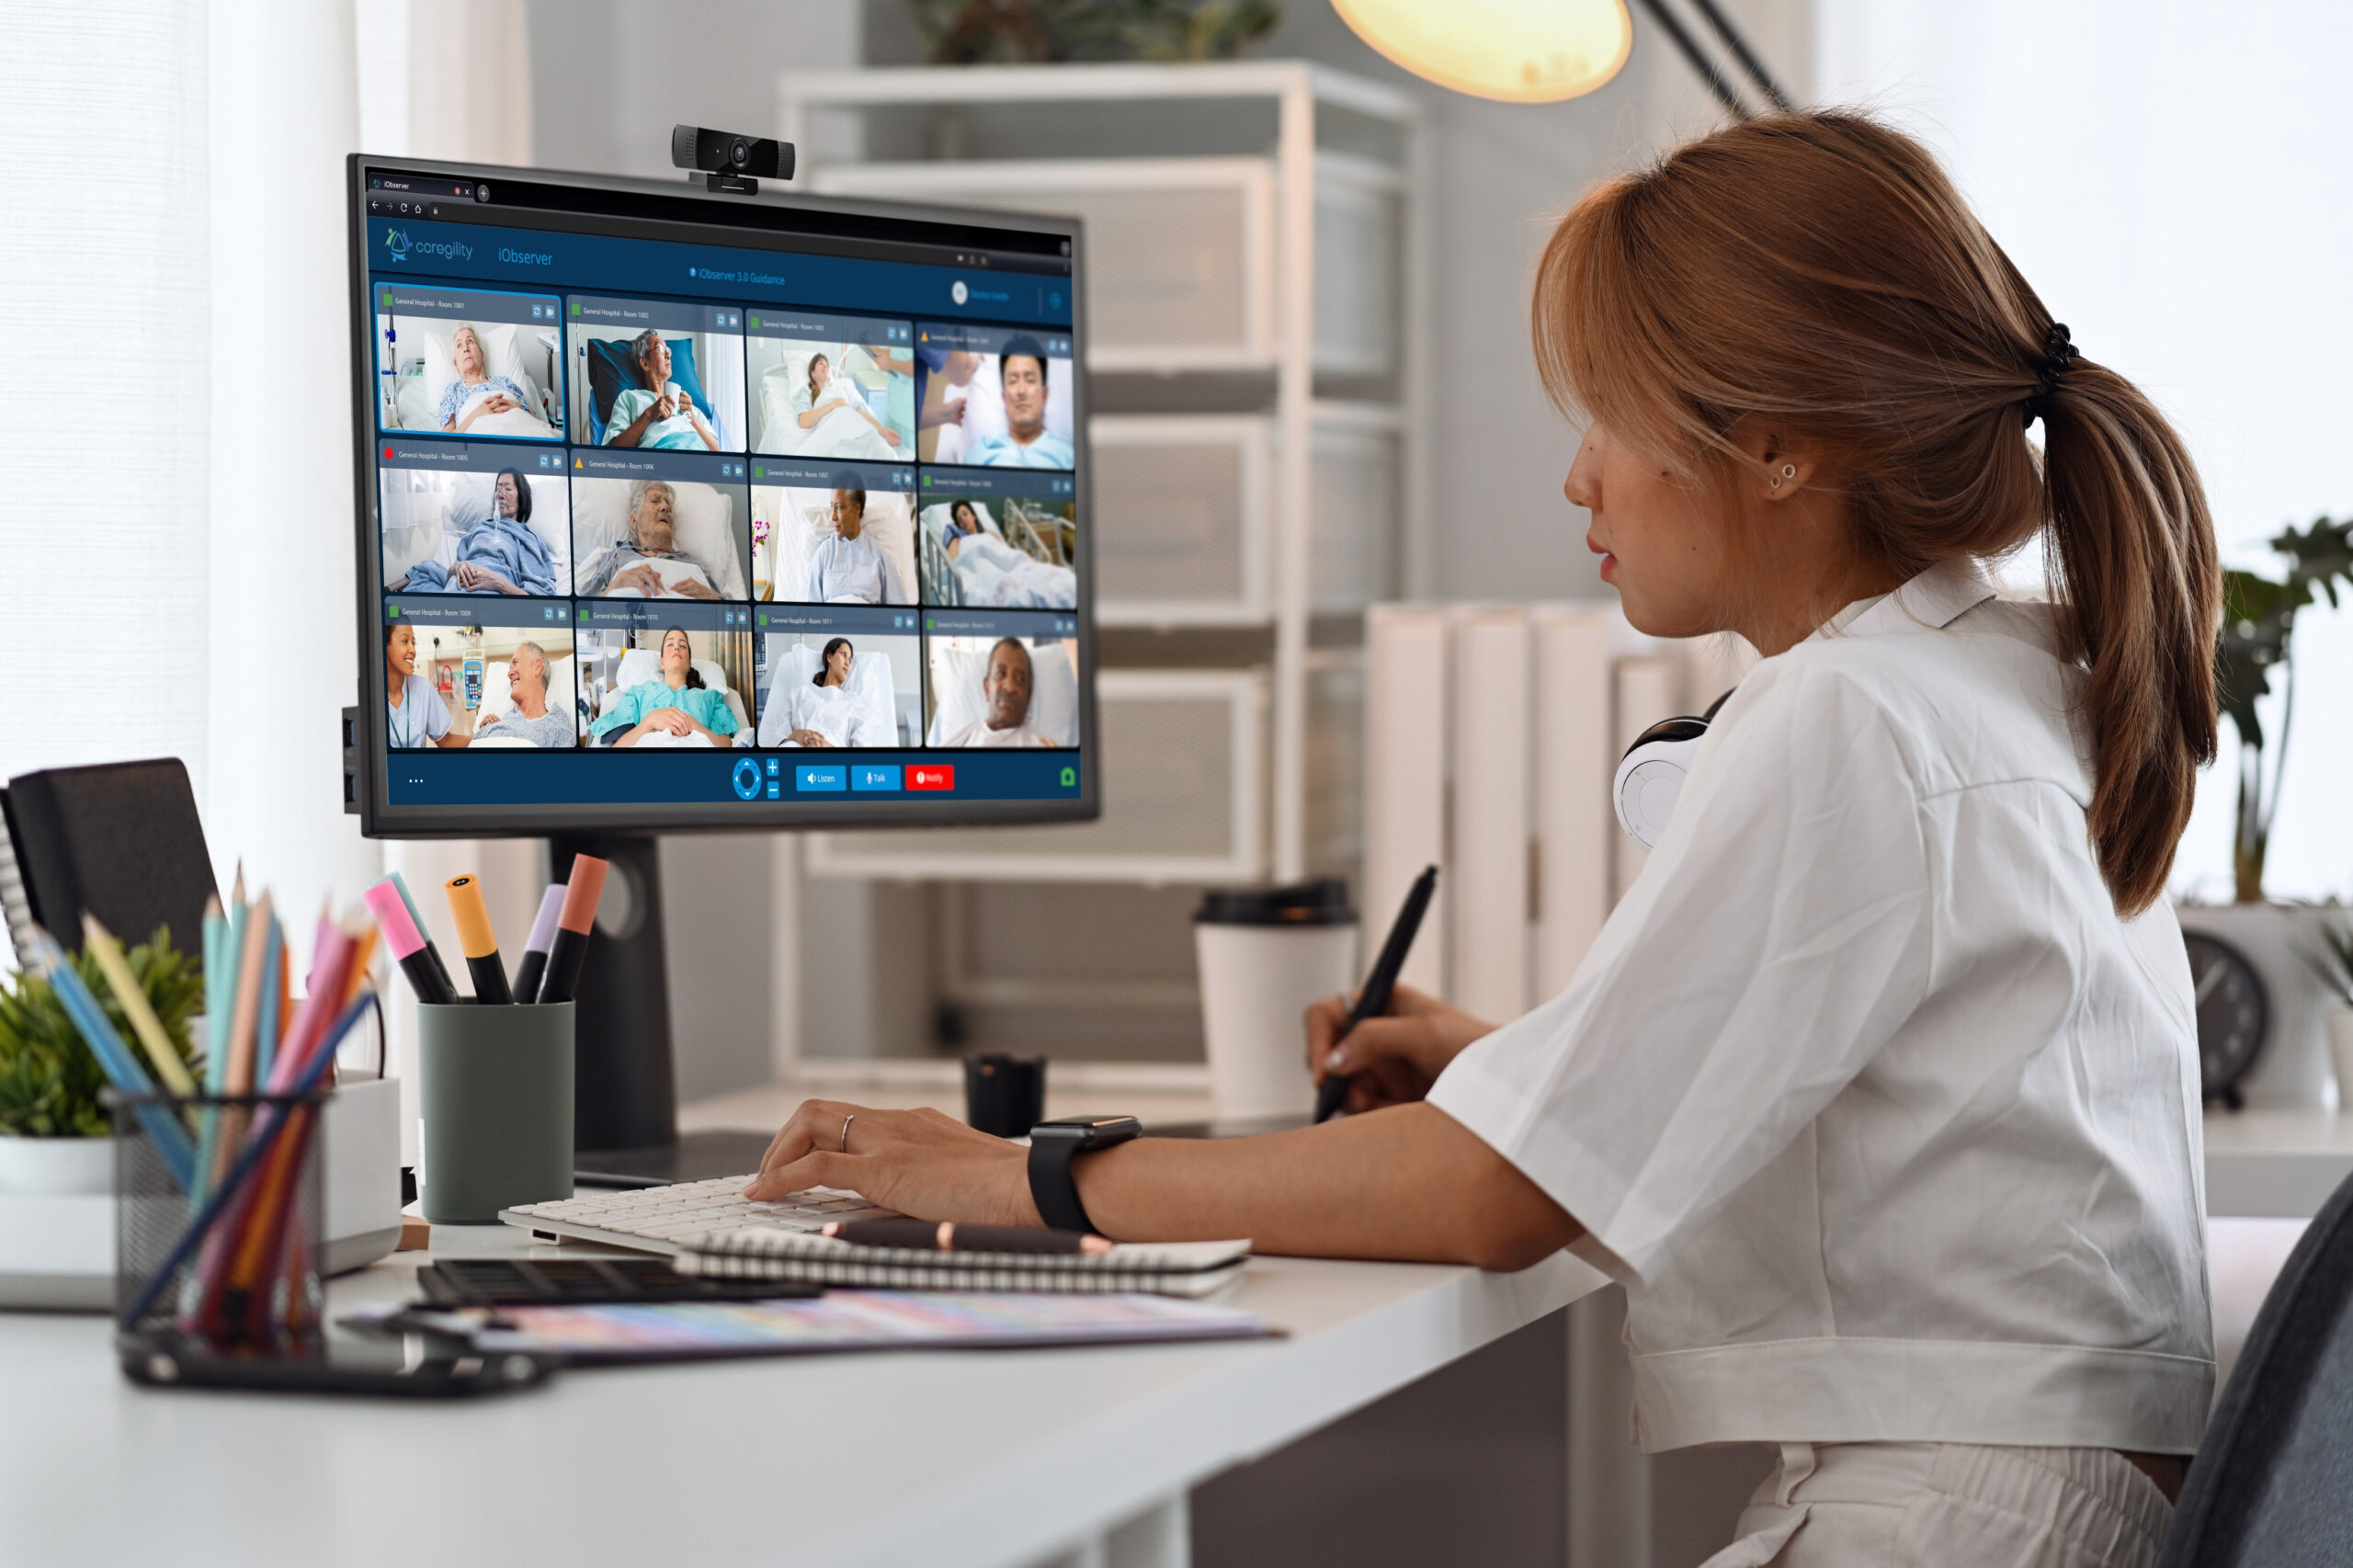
673,720
1393,1059
808,738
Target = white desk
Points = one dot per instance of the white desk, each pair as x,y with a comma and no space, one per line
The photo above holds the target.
2279,1165
978,1458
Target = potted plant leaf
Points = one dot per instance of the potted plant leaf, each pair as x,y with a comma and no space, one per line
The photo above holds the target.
2253,947
55,1134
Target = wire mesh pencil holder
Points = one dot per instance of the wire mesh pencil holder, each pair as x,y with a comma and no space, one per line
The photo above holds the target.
219,1217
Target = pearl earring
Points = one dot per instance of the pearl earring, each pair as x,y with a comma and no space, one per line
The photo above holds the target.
1789,471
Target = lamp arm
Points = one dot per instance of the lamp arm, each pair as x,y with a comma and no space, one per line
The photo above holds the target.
1742,52
1698,60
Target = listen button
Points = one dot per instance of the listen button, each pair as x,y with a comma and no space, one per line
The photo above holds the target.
931,776
828,776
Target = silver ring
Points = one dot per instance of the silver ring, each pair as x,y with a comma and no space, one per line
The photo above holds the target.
846,1121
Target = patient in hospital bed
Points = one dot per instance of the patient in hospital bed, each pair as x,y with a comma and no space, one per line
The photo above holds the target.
500,554
676,707
648,564
991,571
657,412
843,702
476,403
850,567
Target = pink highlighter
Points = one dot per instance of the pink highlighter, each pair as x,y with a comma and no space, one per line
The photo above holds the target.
408,946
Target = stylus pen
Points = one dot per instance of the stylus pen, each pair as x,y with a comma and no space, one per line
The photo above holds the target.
1381,983
477,940
408,946
572,927
534,966
923,1236
416,917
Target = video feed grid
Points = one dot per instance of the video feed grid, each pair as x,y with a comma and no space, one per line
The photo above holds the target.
1001,539
837,533
656,374
481,363
674,525
995,396
473,518
461,677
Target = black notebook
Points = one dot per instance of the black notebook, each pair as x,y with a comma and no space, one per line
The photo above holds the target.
121,841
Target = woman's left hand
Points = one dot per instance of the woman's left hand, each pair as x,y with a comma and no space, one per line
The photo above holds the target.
921,1163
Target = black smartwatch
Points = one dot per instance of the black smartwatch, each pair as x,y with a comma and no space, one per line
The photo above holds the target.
1053,1146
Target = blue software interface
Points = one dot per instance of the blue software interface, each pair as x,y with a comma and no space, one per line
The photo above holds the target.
680,512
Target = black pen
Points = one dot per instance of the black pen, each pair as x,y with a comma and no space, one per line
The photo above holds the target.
1374,1000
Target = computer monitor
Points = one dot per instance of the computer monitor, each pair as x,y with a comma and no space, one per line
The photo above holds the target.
683,511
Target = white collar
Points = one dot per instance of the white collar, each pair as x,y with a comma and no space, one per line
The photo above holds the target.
1935,599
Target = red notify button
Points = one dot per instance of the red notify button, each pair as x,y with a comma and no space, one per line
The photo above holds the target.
931,777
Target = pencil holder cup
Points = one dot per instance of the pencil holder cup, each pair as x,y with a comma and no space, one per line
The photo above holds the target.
219,1214
494,1084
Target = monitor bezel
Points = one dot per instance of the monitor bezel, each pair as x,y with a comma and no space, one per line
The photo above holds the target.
379,818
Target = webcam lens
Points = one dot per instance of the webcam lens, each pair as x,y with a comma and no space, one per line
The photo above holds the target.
740,152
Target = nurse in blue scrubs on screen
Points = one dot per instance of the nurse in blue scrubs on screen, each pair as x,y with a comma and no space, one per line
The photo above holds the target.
417,717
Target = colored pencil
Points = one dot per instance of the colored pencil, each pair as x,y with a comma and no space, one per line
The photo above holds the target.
132,999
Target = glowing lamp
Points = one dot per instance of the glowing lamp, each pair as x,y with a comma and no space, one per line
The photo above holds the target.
1524,51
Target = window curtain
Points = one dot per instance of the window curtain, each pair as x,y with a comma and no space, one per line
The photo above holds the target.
2171,178
105,453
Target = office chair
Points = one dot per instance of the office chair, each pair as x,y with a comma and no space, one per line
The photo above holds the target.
2272,1484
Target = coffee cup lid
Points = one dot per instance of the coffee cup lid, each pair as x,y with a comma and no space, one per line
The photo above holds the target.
1321,903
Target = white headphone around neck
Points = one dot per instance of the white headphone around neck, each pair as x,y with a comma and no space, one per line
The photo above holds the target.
1650,776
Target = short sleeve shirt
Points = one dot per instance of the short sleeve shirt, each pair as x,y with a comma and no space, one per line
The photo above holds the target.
420,718
1886,1120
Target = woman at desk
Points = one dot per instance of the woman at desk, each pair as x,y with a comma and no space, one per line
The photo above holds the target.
1878,1090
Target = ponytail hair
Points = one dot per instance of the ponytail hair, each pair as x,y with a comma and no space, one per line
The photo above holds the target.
1817,273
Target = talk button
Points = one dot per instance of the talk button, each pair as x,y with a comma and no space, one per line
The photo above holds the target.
874,776
931,776
827,776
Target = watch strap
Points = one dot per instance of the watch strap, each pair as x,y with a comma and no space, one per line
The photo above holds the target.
1053,1189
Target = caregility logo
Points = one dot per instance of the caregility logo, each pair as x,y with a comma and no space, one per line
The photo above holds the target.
398,246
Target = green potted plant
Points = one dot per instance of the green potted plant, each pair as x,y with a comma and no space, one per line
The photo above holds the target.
55,1134
2271,941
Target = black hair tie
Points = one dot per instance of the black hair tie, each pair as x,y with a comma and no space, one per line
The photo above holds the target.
2058,353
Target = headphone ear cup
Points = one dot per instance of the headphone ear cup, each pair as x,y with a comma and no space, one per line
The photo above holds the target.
1650,777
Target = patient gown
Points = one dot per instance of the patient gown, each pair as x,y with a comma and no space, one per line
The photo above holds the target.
458,393
855,572
830,711
506,546
678,432
704,706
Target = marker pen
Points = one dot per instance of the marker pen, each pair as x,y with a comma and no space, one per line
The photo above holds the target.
408,946
477,940
416,918
572,927
534,966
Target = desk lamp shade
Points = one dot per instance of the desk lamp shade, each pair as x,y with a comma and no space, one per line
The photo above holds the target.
1527,52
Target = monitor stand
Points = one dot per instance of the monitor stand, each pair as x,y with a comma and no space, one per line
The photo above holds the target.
625,1098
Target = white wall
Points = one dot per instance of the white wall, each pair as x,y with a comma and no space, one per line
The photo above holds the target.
104,460
2173,178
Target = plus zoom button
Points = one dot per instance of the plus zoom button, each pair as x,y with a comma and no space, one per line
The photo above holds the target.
931,777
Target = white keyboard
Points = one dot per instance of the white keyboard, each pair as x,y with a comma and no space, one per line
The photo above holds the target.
663,1219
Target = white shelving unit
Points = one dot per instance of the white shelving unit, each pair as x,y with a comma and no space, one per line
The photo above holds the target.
1282,285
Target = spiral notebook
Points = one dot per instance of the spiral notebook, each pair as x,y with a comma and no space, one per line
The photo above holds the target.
1162,1268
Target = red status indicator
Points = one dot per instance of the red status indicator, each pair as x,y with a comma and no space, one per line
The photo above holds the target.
931,777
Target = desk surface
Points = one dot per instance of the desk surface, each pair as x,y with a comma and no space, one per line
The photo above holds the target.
948,1458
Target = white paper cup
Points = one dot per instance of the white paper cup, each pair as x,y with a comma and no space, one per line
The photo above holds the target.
1264,956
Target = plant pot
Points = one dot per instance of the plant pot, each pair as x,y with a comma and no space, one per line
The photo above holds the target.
56,1168
2340,1052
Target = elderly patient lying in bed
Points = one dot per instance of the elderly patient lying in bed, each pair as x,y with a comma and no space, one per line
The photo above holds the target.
498,555
648,565
674,709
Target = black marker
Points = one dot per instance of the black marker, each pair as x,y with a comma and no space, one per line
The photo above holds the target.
1381,983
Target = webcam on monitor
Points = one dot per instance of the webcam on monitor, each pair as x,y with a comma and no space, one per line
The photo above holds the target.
728,161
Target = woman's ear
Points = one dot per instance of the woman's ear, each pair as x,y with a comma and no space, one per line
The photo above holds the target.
1782,465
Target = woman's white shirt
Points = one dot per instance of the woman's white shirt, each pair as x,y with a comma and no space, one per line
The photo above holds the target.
1886,1120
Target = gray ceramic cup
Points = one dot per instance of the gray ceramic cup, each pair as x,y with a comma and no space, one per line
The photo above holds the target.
494,1084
